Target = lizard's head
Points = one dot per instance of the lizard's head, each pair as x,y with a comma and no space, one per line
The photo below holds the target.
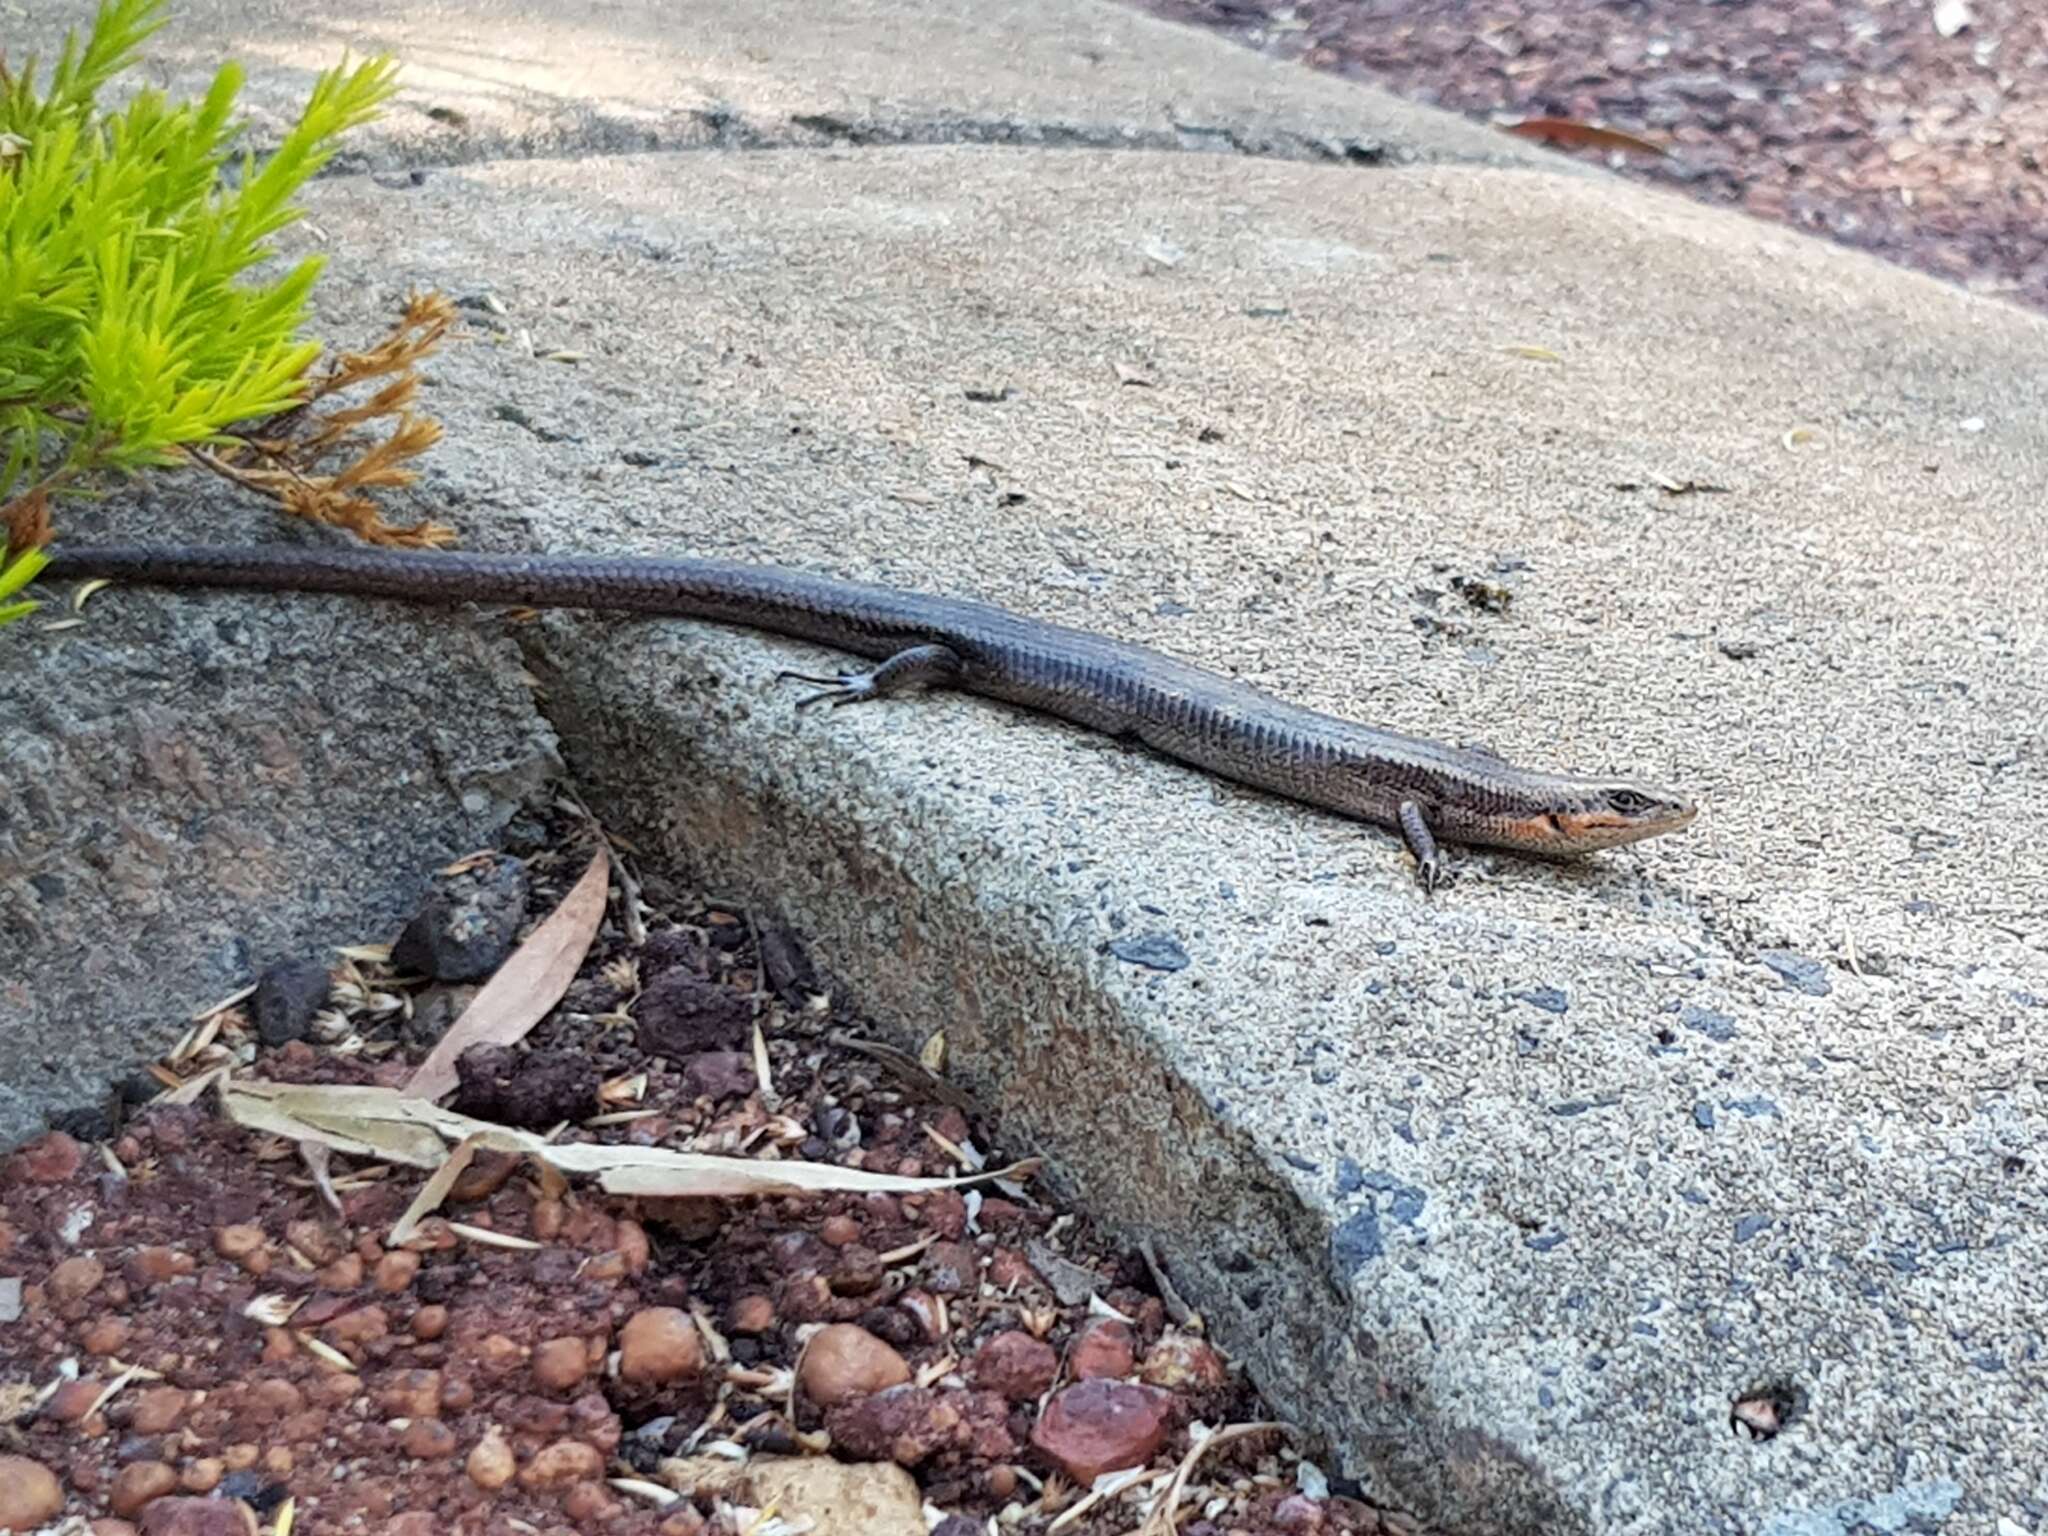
1594,814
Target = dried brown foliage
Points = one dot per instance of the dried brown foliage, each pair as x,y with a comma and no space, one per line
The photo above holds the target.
325,464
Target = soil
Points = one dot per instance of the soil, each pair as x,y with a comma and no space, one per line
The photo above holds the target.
193,1339
1859,122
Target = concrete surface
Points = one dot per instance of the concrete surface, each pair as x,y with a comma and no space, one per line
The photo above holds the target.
1509,1193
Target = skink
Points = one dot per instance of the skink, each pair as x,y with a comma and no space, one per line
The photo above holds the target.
1425,790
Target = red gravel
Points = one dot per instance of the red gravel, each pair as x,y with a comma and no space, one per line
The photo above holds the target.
189,1336
1860,122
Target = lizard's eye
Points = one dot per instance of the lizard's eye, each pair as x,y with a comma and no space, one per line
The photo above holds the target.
1629,802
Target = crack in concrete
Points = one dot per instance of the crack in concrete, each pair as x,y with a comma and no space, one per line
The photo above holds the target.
724,128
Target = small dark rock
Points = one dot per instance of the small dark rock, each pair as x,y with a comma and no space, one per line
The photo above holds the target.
857,1270
1797,971
468,923
288,996
91,1122
789,972
533,1091
669,949
681,1015
1154,951
719,1075
951,1268
1358,1241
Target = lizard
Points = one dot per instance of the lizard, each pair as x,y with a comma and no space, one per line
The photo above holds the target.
1425,790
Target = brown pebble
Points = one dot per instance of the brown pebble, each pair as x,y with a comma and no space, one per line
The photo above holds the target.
245,1245
396,1271
590,1505
74,1400
344,1274
359,1326
428,1440
490,1464
951,1268
845,1361
274,1398
75,1279
606,1266
416,1522
752,1314
106,1335
1002,1482
112,1528
30,1495
412,1394
158,1410
430,1322
632,1246
278,1461
278,1346
839,1230
159,1265
458,1394
659,1345
137,1483
559,1364
548,1216
682,1522
565,1461
1009,1270
317,1240
241,1457
500,1356
203,1475
335,1388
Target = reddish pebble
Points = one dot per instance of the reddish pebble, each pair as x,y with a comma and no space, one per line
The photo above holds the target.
106,1335
344,1274
1016,1365
429,1323
659,1345
1104,1350
359,1326
428,1440
411,1395
30,1495
159,1265
839,1230
139,1482
683,1522
490,1464
417,1522
1102,1426
50,1159
74,1400
1009,1270
158,1410
1299,1512
112,1528
499,1356
75,1279
566,1461
845,1361
395,1271
632,1247
197,1517
242,1244
590,1505
316,1240
547,1219
1002,1482
559,1364
201,1476
752,1314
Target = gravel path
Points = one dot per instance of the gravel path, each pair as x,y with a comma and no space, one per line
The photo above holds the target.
1916,129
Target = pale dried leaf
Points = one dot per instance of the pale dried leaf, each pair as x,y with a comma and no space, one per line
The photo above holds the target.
432,1193
526,986
387,1123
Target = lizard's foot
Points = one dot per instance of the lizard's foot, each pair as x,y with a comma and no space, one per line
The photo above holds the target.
841,688
917,666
